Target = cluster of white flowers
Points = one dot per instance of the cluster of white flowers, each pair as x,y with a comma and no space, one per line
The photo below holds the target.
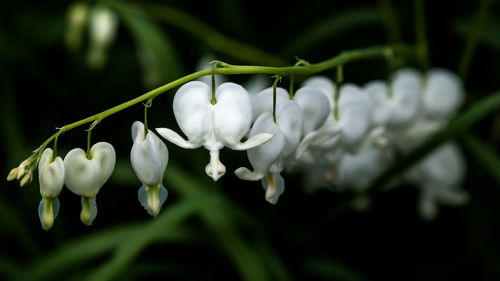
343,143
338,136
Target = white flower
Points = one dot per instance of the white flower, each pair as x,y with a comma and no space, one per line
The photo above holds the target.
406,101
149,158
214,126
267,159
356,171
354,120
382,104
103,25
443,94
51,178
86,174
439,176
263,100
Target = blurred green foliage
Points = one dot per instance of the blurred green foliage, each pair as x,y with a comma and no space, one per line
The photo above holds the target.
226,230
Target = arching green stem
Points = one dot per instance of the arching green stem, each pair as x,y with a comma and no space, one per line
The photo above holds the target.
227,69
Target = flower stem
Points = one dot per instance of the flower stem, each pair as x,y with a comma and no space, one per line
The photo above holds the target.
227,69
421,37
278,78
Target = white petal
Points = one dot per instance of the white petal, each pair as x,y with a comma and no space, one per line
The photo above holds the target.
407,98
263,156
355,114
290,120
254,141
176,139
325,84
316,137
232,114
149,157
215,169
381,108
315,107
274,184
193,111
50,174
263,101
245,174
444,93
85,176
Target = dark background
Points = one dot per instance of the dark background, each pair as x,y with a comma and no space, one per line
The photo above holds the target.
44,85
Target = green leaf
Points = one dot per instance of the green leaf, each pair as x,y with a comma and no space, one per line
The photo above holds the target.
331,270
165,226
156,52
455,128
77,252
484,154
330,27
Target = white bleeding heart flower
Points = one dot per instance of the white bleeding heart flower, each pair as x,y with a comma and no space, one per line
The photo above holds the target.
267,159
149,158
317,105
263,101
356,171
326,85
51,178
443,94
406,103
264,158
354,117
205,62
439,176
314,105
213,126
103,25
382,105
85,174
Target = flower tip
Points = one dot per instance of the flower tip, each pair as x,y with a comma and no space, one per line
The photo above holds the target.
13,174
152,198
27,178
215,172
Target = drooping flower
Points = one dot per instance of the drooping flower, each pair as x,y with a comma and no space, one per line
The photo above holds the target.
439,176
443,94
86,173
149,158
213,126
267,159
51,178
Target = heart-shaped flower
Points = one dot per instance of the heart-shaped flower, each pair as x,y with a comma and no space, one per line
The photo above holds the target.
214,126
267,159
51,178
443,94
406,101
263,100
439,176
149,158
86,173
